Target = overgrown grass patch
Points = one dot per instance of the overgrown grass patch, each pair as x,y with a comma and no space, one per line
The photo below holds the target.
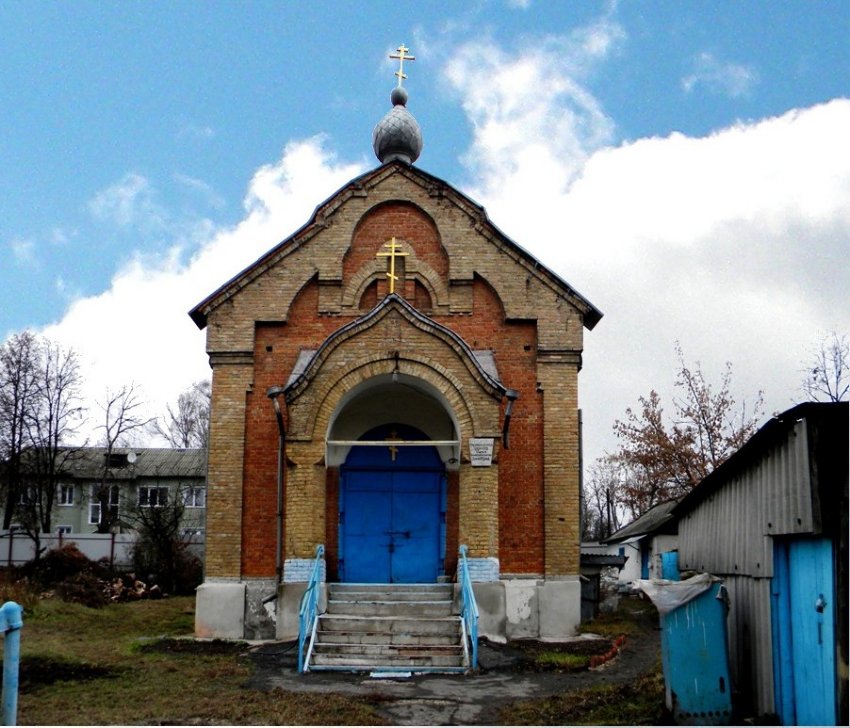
562,660
132,663
640,702
632,616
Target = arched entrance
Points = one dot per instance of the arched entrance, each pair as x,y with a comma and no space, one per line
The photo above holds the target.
392,510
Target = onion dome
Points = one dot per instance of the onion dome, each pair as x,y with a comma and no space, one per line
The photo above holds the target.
397,136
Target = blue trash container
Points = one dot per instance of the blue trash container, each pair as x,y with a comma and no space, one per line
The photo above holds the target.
694,651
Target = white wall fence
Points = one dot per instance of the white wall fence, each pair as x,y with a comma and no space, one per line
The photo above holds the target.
17,548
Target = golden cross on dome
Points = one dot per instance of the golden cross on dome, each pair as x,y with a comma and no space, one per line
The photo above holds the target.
400,56
394,252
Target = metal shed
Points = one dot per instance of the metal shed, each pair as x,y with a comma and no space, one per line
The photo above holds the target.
772,523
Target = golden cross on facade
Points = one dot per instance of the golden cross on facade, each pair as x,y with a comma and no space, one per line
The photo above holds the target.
394,252
393,437
400,56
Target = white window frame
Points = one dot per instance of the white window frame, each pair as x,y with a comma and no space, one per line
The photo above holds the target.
195,496
160,499
94,503
64,530
65,494
27,496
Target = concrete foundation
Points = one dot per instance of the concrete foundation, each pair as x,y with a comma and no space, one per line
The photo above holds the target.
537,609
559,603
509,609
260,609
220,610
490,597
522,608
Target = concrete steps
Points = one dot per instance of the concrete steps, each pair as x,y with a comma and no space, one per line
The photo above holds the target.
389,628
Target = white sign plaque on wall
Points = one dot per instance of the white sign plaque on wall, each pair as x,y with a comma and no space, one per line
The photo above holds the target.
481,451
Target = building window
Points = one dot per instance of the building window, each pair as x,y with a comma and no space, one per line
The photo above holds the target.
195,497
63,530
94,504
65,496
191,533
153,496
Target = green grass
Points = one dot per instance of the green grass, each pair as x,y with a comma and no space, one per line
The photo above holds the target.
102,666
637,703
562,660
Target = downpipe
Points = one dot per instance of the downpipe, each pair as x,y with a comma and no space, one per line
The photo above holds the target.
274,394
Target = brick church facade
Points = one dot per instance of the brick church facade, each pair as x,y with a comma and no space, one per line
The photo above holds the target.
425,373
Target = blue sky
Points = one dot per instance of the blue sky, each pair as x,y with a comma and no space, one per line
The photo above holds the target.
150,150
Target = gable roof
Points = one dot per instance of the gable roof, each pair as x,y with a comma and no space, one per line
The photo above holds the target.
650,522
355,188
828,415
88,463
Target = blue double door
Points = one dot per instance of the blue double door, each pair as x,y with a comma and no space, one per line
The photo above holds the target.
392,512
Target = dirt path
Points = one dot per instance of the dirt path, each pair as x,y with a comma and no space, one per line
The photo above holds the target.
505,676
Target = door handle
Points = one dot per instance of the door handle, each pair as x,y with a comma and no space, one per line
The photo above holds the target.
820,604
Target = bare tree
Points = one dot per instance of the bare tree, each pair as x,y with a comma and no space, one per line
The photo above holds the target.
189,425
661,459
19,364
602,490
826,378
161,551
55,416
122,418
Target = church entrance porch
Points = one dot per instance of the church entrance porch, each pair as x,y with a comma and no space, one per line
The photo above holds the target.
392,510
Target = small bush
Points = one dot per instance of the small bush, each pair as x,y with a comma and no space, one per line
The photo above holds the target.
56,565
22,591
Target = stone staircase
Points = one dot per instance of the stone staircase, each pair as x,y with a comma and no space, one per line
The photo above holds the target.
389,628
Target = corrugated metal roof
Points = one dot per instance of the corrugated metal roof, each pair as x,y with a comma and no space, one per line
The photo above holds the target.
131,463
649,522
783,481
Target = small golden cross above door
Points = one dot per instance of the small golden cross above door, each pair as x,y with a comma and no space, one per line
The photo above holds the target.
393,253
393,437
400,56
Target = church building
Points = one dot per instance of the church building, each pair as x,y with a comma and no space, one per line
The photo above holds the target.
393,381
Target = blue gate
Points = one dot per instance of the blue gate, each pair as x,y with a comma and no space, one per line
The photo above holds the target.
803,606
392,511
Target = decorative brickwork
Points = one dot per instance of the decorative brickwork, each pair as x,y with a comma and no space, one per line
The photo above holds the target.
462,287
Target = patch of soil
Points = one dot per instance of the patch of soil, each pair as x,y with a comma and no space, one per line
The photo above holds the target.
525,655
37,671
193,647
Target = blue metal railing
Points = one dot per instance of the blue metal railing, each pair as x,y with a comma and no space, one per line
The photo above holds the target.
307,614
11,621
468,609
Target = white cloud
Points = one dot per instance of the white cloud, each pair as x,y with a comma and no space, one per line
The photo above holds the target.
734,244
534,122
199,132
128,202
24,252
720,77
200,189
139,331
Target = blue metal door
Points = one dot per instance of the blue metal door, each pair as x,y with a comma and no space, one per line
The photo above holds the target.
392,506
803,603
